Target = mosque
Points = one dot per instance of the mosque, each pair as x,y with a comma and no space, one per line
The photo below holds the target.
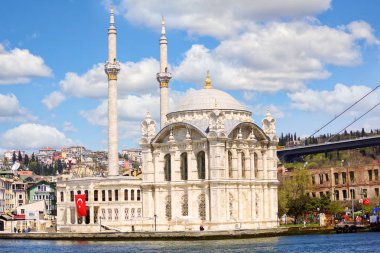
208,165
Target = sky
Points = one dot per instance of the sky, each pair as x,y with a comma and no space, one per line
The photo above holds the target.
304,60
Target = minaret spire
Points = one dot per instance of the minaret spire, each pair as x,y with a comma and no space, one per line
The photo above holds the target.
163,77
112,69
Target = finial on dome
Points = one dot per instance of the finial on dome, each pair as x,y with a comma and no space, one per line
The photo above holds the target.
208,84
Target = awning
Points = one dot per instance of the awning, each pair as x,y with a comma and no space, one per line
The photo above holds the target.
19,217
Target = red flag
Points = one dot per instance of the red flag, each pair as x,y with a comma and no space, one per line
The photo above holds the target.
366,202
80,201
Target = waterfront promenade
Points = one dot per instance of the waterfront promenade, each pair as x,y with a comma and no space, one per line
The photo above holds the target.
177,235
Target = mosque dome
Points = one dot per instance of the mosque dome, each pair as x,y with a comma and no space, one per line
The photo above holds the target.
209,99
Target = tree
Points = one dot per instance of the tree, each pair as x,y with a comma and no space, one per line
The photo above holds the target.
19,157
293,198
14,158
33,157
26,160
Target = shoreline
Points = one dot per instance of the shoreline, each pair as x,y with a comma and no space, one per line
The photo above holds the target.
172,235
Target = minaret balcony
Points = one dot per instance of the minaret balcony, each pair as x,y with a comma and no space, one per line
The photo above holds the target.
164,77
112,69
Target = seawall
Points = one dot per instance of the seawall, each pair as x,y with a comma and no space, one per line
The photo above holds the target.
176,235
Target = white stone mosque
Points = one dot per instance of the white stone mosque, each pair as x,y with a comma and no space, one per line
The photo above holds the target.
208,165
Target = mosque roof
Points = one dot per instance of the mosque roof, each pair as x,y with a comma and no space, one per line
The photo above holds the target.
209,98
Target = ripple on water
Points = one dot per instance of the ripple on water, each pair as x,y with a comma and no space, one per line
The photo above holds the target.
339,243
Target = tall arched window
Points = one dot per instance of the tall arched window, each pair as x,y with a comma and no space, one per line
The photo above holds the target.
229,164
201,165
184,166
242,165
167,168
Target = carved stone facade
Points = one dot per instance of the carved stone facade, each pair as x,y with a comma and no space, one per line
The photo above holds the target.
216,160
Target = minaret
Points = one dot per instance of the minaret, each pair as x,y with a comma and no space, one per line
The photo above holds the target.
164,76
112,68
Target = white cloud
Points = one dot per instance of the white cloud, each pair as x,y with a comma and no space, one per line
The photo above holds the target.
133,77
335,101
19,66
11,110
272,57
33,136
68,127
362,30
262,110
53,99
214,17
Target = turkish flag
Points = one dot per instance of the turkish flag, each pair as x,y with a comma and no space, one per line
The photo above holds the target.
366,202
80,201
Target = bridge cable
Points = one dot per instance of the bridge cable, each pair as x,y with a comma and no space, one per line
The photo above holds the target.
340,114
353,122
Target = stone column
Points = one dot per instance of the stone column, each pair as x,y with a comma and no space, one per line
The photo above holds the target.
92,214
266,204
252,164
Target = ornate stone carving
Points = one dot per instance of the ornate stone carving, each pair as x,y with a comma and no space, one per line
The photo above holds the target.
148,127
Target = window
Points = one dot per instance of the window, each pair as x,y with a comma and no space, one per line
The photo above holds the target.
184,166
96,195
242,165
344,192
376,172
321,194
377,192
202,206
167,168
336,193
103,195
336,178
132,194
327,177
352,191
313,179
201,165
229,164
72,196
138,198
79,192
62,199
344,179
109,195
352,177
370,175
365,193
320,178
314,195
116,195
86,194
126,194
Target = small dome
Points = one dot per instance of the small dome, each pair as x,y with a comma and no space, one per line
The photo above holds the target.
209,99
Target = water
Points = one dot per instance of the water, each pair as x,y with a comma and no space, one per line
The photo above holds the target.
342,243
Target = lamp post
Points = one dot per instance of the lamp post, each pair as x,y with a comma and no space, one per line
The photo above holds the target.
352,204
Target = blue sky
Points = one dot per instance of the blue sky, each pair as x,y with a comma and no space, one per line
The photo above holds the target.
305,60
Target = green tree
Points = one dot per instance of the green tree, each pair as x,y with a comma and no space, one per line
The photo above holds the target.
19,157
293,198
26,160
14,158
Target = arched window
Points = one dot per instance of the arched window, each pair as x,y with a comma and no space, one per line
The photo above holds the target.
229,164
201,163
62,199
242,165
184,166
167,168
86,193
95,195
